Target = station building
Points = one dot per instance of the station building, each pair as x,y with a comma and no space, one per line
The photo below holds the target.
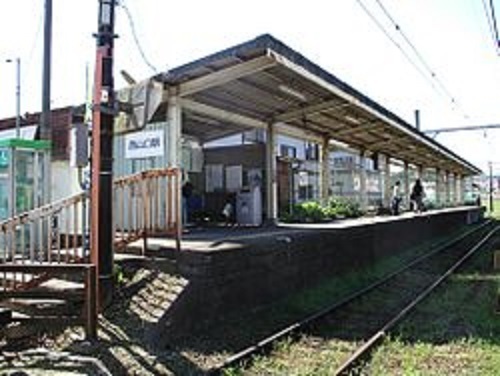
260,125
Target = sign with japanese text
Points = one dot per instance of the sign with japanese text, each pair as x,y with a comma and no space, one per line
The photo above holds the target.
144,144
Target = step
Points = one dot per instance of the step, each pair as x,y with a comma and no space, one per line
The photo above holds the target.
28,327
43,294
58,289
43,307
5,316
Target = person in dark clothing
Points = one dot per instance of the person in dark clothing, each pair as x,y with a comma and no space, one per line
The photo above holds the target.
396,198
187,192
187,189
417,196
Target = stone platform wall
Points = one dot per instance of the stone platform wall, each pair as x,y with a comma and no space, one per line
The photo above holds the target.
264,269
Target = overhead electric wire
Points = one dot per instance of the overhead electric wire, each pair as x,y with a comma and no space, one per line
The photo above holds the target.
400,48
495,27
490,24
35,39
420,57
136,38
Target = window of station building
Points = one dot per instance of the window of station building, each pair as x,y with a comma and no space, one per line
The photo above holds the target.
312,151
303,159
254,136
287,151
287,143
370,163
306,187
345,174
344,160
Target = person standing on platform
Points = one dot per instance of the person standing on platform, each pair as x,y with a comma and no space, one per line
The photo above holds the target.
187,192
396,198
417,196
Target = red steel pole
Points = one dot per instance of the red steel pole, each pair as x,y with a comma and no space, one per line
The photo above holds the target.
101,236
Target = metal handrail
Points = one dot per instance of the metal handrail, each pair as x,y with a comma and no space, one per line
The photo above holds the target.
145,204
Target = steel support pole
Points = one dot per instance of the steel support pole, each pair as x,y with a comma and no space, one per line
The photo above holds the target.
463,187
406,184
174,119
325,170
387,181
457,178
101,237
438,186
271,178
45,131
447,186
174,115
362,181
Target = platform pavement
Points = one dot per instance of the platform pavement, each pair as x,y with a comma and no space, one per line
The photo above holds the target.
219,238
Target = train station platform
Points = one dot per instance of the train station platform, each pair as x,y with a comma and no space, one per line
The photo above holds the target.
226,270
223,237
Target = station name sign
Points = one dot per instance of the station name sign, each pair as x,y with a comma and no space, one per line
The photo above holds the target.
144,144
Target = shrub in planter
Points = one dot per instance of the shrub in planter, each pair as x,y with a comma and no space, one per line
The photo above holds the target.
343,208
313,212
305,212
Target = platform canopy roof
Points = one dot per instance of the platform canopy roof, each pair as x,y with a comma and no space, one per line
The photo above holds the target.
264,82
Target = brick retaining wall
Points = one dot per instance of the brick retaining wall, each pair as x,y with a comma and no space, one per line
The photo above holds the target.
261,270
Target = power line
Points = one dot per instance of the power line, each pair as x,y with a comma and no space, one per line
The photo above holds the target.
492,25
35,39
419,56
495,28
136,38
399,47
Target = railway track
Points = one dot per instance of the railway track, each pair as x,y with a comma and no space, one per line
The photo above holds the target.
369,314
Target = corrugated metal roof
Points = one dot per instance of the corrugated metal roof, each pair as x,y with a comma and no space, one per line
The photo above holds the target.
261,46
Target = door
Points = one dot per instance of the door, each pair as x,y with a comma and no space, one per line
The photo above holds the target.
284,183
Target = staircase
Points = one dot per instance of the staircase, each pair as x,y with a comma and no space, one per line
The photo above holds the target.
46,274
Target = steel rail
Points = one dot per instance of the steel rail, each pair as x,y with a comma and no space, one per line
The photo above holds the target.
368,346
267,342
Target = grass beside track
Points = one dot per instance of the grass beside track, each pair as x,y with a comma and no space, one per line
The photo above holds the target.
314,356
496,209
455,332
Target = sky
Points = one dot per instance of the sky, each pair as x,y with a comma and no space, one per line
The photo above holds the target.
451,35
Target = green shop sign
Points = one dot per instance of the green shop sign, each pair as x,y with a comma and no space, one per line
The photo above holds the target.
4,158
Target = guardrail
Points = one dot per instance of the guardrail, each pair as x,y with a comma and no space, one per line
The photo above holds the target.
49,235
147,203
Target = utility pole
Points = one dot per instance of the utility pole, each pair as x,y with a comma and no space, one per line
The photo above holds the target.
101,236
18,95
45,131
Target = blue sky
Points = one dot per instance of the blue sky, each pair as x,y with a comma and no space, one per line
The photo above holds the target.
452,36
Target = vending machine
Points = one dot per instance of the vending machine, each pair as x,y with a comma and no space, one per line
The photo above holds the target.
249,207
